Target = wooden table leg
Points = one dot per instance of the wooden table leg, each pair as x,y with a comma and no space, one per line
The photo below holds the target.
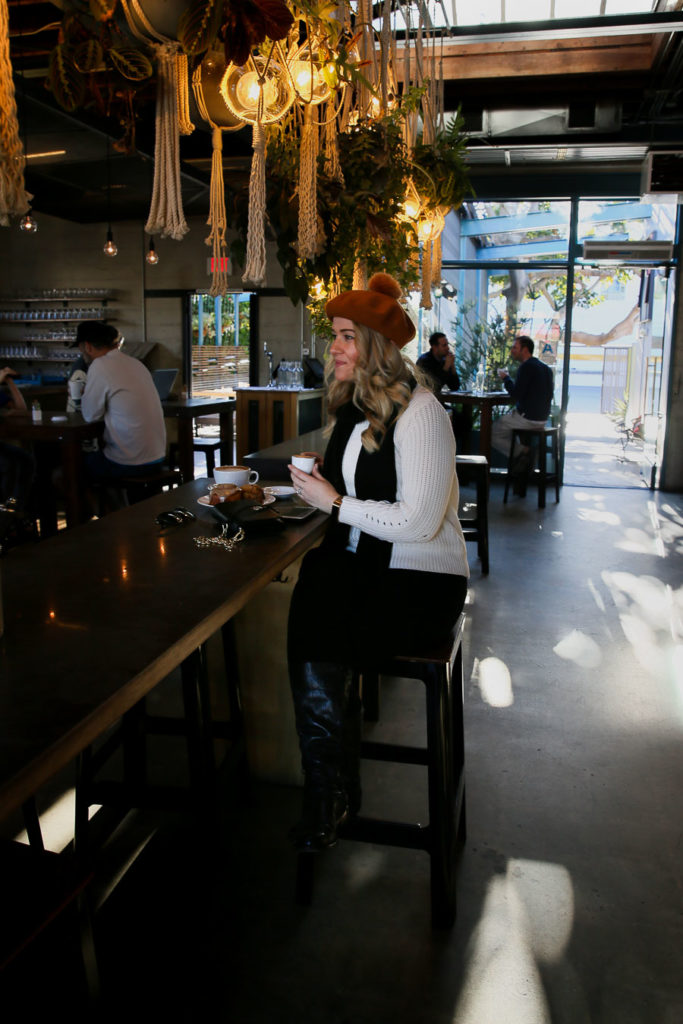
225,421
185,450
72,469
485,424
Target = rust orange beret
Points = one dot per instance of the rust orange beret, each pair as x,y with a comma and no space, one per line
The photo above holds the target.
376,308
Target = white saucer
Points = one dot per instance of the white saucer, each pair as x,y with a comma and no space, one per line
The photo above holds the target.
267,500
279,492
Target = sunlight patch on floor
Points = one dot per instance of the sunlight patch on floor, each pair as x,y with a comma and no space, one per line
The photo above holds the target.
527,918
495,682
579,648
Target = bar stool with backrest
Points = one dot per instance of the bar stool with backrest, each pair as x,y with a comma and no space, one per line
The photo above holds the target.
544,444
440,669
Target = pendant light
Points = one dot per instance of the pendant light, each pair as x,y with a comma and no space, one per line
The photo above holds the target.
28,224
152,256
110,248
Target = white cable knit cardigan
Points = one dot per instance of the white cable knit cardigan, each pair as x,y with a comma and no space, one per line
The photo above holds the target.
422,524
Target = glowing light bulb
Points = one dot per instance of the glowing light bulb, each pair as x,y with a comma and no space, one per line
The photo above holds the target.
249,88
110,247
28,224
411,208
152,256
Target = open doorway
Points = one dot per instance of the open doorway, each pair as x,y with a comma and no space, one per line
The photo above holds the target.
614,420
220,329
604,329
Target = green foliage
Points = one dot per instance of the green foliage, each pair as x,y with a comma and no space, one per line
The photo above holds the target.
442,178
478,340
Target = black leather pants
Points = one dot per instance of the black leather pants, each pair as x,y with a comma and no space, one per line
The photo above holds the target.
327,709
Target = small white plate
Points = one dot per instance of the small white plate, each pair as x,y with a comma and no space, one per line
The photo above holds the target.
267,500
279,492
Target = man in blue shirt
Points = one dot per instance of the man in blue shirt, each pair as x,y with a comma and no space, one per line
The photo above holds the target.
532,393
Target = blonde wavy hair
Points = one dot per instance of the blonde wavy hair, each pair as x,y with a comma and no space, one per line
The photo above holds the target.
382,383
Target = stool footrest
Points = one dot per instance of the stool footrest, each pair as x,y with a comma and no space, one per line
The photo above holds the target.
375,751
387,833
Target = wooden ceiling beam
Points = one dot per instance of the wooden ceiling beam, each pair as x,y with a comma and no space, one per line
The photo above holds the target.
542,57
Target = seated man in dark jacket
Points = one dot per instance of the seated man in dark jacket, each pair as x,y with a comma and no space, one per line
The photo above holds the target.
532,393
439,365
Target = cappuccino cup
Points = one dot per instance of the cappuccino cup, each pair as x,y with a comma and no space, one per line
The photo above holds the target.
305,461
238,475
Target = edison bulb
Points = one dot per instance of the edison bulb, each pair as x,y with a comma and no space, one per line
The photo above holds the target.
248,91
28,224
110,247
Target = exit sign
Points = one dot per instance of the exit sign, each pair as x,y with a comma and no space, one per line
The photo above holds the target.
224,261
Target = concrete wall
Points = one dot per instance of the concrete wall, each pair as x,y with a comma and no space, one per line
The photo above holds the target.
62,254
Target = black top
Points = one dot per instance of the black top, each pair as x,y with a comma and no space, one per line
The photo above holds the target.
434,367
532,389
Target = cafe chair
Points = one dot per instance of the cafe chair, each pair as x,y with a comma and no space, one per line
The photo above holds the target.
544,447
440,670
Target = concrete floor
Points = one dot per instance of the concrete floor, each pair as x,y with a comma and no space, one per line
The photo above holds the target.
570,884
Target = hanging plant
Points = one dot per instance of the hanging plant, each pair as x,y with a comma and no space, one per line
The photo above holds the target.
442,177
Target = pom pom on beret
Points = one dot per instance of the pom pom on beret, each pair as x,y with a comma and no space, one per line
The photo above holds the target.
377,308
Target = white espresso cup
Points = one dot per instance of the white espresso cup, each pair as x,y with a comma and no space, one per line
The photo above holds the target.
305,461
76,389
239,475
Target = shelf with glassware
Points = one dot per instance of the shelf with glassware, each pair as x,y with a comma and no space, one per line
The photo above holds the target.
42,355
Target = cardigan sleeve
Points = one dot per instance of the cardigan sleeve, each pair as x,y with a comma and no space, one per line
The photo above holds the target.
425,470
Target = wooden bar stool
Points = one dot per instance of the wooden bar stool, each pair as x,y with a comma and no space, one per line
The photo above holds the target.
440,669
209,446
543,443
476,528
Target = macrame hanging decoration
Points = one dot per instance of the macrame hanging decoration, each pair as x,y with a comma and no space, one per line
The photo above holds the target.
360,276
217,220
308,184
206,79
15,201
426,298
255,267
166,216
436,261
260,92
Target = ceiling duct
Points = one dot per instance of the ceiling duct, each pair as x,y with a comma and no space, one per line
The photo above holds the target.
592,118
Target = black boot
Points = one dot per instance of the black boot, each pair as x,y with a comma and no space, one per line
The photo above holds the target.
321,692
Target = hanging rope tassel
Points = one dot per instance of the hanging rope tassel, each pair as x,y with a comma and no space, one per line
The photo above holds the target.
255,270
185,126
216,219
333,168
436,261
360,276
14,199
308,185
166,217
426,300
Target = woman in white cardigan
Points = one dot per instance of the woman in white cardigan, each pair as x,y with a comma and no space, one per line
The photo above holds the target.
392,569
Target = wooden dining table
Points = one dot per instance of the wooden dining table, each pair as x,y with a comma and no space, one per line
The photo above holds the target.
485,403
185,411
63,434
96,617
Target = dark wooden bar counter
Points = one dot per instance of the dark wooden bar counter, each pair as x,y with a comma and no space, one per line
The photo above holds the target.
98,616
